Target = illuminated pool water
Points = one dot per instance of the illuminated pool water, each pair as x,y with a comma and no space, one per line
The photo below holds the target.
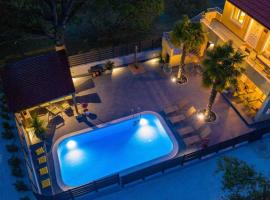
123,145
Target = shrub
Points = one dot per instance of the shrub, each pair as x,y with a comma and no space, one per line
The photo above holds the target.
20,186
17,171
109,65
25,198
5,116
14,161
4,108
38,127
6,125
12,148
7,134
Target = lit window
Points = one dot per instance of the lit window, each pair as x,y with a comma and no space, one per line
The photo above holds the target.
238,15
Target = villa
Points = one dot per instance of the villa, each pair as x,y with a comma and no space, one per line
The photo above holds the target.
82,134
247,24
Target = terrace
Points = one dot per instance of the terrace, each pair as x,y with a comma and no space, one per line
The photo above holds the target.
123,93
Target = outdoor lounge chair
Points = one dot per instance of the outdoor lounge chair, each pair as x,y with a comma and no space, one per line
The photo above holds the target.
190,112
205,133
185,131
183,104
43,171
170,110
39,151
192,140
64,106
42,160
54,110
46,183
177,119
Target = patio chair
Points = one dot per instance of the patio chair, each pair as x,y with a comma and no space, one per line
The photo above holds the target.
43,171
192,140
39,151
46,183
42,159
170,110
185,131
177,119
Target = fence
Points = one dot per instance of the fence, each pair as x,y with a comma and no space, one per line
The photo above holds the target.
154,169
112,52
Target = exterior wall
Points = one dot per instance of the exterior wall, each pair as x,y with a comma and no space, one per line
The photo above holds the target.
262,41
174,59
240,31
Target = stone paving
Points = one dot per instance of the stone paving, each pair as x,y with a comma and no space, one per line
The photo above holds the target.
121,93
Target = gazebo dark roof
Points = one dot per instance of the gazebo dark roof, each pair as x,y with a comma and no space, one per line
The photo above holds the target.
257,9
37,80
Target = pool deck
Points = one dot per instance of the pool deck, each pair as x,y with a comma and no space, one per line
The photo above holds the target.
122,93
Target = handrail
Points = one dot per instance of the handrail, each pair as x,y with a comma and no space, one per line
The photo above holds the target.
123,180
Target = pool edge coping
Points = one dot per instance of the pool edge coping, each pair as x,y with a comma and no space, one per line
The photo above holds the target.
172,154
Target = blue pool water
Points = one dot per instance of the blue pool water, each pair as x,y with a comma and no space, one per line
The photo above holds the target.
92,155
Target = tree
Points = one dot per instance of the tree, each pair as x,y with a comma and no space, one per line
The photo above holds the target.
186,36
118,19
177,8
220,68
241,181
38,17
38,128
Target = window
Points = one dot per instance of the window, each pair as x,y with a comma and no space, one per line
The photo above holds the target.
238,15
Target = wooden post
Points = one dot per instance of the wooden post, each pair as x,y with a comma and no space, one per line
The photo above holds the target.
136,59
75,103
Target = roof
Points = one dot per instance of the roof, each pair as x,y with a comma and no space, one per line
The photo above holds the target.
37,80
257,9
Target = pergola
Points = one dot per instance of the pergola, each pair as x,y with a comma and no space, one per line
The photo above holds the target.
37,80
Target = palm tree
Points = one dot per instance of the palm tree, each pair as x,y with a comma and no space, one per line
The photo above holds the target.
220,69
38,128
186,36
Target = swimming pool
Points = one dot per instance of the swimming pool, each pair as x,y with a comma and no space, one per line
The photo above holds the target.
120,146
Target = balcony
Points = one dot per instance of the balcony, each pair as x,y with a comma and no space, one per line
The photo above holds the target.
257,65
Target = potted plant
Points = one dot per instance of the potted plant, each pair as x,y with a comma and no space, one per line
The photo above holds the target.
39,130
20,186
109,65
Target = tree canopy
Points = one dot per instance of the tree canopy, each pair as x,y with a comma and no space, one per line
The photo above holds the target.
241,181
177,8
221,67
37,17
111,18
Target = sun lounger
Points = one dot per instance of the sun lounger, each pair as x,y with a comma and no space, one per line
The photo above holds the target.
170,110
42,160
205,133
198,124
46,183
43,171
185,131
182,105
190,112
189,141
39,151
177,119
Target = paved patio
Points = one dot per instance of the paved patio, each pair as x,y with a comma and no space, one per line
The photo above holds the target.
121,94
